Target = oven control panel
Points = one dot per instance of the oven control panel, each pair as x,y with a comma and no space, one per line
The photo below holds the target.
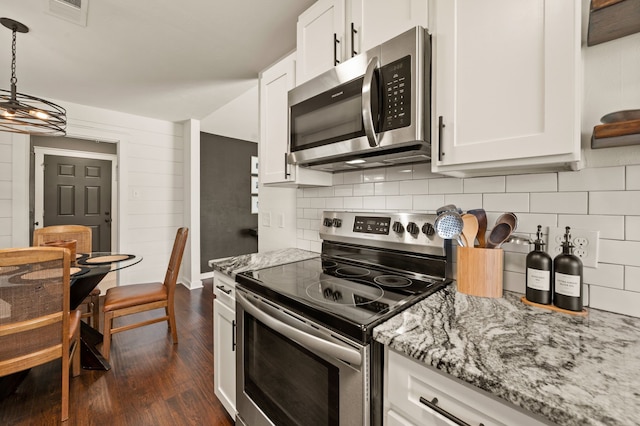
402,231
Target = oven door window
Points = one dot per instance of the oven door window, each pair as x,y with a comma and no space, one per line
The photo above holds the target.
332,116
291,385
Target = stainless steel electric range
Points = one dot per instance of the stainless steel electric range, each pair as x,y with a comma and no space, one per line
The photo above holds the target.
304,329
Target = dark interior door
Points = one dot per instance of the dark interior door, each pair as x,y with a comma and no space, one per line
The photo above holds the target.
77,191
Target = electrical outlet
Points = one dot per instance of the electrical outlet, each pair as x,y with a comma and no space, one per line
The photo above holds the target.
586,244
266,218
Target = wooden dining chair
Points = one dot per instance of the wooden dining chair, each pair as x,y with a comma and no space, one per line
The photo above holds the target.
133,298
83,236
35,323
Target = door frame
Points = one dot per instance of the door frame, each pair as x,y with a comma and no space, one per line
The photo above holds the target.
38,205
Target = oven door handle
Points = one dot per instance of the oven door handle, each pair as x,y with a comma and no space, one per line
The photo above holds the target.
367,106
332,349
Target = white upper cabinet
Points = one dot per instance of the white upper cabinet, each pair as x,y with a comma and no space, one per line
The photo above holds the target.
332,31
505,86
275,83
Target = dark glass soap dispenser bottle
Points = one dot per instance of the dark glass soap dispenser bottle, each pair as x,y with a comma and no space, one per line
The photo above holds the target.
538,278
567,283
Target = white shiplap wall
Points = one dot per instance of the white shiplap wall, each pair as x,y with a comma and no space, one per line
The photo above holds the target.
150,183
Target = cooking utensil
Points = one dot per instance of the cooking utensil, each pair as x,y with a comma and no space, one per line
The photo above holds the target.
469,229
498,235
481,215
448,208
449,225
509,218
519,239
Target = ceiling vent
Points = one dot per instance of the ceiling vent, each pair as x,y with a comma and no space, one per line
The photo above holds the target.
70,10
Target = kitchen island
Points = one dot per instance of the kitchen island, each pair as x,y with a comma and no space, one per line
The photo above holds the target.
568,369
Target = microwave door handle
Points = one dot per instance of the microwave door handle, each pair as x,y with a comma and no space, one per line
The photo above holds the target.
332,349
367,116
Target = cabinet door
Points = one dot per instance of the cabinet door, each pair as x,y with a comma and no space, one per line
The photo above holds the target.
320,38
224,356
275,83
376,21
506,82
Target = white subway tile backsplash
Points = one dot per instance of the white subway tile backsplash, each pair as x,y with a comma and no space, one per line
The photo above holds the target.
427,203
374,203
605,275
620,252
615,202
352,177
335,203
515,262
362,189
614,300
399,172
464,201
411,187
603,199
632,228
633,178
484,184
343,191
559,202
632,278
594,179
610,227
544,182
387,188
445,186
514,281
400,202
353,203
506,202
528,222
374,175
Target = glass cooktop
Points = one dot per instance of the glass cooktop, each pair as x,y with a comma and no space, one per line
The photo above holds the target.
350,298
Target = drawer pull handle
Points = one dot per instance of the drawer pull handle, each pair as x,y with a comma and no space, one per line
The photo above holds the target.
433,404
222,289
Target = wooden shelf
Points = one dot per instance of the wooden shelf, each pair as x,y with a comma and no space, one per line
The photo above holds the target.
621,133
612,19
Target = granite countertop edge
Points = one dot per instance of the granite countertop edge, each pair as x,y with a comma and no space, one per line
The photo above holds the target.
568,369
248,262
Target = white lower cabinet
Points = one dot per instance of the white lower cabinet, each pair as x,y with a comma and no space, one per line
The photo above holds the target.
224,341
411,387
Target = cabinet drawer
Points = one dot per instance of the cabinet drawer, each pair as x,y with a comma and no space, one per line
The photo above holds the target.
224,288
412,387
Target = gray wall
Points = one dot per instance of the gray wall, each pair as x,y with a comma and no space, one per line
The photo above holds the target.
225,198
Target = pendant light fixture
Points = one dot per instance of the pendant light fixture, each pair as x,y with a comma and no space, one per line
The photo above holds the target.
20,113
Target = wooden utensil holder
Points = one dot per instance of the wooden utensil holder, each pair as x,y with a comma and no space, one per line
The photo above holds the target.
480,271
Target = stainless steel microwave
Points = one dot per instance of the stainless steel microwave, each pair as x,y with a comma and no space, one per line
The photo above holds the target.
372,110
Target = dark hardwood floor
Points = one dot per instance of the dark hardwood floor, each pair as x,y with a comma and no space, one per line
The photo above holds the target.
151,382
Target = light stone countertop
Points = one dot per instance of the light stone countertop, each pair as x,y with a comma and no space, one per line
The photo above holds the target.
249,262
571,370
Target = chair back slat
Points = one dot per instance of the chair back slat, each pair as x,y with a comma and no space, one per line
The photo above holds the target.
173,269
82,234
34,306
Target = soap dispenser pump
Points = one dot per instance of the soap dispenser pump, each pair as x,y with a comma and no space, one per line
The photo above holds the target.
539,288
567,277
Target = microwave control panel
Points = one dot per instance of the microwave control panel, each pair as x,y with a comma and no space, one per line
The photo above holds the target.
396,96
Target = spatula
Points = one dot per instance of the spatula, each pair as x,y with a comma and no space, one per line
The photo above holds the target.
469,229
481,215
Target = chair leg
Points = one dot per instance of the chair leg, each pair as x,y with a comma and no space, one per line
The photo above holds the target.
106,335
65,388
75,360
172,323
95,308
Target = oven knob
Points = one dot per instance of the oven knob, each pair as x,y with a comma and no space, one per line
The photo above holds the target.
428,230
413,229
337,223
327,222
398,228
